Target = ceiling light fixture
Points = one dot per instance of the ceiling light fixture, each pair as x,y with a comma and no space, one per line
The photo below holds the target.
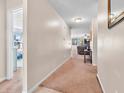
78,19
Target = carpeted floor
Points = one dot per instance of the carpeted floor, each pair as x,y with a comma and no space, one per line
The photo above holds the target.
14,85
45,90
74,77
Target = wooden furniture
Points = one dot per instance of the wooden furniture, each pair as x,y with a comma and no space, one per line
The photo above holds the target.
89,53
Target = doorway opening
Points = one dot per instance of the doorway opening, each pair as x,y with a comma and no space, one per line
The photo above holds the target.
17,39
15,51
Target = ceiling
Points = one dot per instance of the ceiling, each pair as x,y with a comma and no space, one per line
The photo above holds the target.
69,9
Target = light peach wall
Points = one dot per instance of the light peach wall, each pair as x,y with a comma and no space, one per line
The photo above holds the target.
2,40
48,40
110,52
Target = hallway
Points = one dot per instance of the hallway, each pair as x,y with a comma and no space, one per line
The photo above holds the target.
47,39
73,77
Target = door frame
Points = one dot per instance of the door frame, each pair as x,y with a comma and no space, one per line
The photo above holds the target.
9,70
10,64
9,45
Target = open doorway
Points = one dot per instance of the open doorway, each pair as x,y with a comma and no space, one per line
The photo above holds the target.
15,51
17,39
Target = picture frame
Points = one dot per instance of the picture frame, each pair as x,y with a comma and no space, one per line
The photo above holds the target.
114,18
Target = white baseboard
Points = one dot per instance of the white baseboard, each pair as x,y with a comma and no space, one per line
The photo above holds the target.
101,83
94,64
2,79
24,91
36,85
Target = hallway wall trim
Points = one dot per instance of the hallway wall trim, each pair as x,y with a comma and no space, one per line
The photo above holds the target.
39,83
99,80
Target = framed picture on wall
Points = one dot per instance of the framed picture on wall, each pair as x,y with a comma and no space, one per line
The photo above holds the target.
115,12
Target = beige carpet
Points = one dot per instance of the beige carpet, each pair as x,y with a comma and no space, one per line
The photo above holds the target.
74,77
45,90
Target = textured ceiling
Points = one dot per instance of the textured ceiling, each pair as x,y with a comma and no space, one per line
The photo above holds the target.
69,9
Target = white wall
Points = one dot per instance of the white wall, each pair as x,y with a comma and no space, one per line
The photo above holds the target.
12,4
94,40
47,40
2,40
110,52
75,32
